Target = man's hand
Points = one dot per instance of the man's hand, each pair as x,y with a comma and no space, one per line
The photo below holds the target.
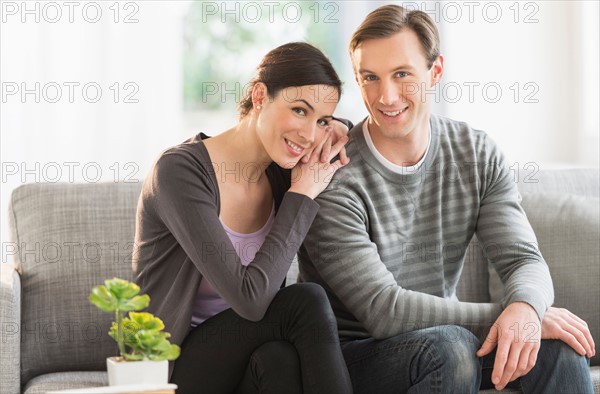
517,333
561,324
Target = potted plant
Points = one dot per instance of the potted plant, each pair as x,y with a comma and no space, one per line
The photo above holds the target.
144,348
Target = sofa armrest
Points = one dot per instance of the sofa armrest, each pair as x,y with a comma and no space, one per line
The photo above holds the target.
10,332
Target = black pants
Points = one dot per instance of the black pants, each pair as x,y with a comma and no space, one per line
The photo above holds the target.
294,348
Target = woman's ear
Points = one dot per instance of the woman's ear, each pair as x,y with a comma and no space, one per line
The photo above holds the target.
259,94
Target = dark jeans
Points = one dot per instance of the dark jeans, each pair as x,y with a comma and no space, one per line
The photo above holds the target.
442,360
294,348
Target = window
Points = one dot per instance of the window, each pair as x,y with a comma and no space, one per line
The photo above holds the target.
225,41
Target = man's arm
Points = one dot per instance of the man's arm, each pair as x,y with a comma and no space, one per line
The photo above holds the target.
511,246
339,248
507,239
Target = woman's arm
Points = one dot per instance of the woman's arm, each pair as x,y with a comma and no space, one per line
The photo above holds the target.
185,199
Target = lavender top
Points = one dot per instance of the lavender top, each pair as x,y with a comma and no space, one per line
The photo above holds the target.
208,302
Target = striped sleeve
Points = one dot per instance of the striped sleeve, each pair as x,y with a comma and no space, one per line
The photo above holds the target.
508,240
339,247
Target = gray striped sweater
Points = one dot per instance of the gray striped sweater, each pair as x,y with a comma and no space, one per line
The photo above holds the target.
389,248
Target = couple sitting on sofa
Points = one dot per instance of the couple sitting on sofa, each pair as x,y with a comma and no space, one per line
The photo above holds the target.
220,220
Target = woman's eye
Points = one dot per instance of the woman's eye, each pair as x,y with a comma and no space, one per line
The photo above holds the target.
323,122
370,78
299,111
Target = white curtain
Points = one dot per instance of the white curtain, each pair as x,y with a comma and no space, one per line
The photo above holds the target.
69,128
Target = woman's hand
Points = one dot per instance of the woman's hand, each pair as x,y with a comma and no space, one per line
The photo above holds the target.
335,131
312,178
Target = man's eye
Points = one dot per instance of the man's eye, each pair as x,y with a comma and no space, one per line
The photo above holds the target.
299,111
402,74
369,78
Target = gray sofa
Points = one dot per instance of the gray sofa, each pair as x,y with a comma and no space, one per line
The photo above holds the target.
67,238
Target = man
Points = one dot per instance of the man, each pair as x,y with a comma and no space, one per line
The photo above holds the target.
389,241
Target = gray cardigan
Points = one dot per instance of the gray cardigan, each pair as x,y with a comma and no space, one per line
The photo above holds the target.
179,239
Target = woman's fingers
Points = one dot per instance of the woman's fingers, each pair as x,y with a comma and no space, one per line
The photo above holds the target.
306,158
337,148
326,148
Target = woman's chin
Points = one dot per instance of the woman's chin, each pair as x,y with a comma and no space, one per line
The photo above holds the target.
287,163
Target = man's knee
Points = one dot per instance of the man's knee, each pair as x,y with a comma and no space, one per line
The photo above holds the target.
456,340
561,353
559,368
454,349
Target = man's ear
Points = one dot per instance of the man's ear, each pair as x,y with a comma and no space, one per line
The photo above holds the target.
437,70
259,94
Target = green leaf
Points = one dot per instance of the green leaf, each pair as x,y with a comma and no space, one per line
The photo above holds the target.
147,321
130,330
171,353
135,304
141,331
165,351
121,288
150,339
103,299
113,331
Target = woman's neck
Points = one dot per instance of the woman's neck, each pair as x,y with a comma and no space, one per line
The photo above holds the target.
239,153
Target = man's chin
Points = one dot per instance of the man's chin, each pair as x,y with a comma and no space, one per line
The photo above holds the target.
393,132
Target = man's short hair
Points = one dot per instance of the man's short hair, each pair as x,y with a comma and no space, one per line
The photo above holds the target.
388,20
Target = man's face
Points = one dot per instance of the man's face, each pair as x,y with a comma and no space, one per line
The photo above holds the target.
392,74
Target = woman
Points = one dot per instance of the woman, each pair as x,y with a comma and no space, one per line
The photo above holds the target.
219,221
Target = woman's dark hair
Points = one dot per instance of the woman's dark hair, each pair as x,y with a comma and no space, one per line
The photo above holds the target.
292,64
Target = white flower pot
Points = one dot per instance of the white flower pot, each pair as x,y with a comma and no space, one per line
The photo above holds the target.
136,372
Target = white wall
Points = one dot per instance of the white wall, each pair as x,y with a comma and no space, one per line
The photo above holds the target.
558,53
551,52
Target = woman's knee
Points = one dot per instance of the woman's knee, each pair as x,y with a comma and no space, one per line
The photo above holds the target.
310,298
274,367
275,355
312,292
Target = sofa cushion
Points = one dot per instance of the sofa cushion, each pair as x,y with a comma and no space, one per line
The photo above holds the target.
65,381
567,228
70,238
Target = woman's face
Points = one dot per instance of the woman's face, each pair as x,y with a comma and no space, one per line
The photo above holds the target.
290,124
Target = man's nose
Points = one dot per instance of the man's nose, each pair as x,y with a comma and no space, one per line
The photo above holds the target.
388,93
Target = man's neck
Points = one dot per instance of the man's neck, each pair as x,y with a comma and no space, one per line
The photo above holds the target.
405,150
